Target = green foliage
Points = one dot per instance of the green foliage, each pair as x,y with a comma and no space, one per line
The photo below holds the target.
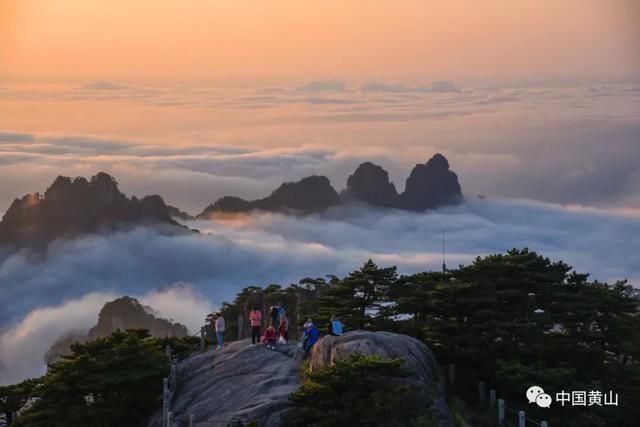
241,424
245,299
181,348
309,291
415,296
112,381
13,397
358,298
359,391
517,319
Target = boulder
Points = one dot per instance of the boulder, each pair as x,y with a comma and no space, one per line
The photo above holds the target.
239,382
418,358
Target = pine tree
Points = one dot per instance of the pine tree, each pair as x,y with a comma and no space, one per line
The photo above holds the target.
115,380
358,392
358,298
413,296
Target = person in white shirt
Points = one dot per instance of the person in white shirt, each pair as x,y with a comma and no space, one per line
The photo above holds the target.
220,325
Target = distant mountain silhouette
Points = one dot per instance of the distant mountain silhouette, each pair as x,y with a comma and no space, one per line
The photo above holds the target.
120,314
370,184
175,212
72,207
228,204
313,194
127,313
429,186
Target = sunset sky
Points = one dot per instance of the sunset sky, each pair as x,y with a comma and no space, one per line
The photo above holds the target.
289,41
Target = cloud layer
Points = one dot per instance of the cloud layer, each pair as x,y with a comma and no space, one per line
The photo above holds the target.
42,300
562,144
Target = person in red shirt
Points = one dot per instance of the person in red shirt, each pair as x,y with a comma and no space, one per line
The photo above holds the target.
255,318
269,338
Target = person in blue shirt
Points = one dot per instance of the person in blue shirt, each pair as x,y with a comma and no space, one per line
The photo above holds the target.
337,327
311,334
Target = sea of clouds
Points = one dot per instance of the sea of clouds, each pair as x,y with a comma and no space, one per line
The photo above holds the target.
186,276
573,148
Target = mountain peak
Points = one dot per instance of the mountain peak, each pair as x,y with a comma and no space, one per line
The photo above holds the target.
370,184
438,162
431,185
313,194
72,207
122,313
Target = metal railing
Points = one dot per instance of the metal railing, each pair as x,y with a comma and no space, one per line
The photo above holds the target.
168,389
169,384
190,420
496,404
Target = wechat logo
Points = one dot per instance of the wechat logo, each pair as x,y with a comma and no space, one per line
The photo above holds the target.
536,394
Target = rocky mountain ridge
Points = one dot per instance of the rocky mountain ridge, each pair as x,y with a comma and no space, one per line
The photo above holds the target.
73,207
430,185
313,194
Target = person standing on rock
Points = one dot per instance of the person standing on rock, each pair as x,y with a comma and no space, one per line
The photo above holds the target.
283,329
312,337
255,318
274,316
305,333
220,326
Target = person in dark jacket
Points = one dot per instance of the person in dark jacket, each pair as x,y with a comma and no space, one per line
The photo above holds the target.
330,327
274,316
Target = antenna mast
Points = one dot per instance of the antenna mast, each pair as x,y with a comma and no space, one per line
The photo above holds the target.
444,265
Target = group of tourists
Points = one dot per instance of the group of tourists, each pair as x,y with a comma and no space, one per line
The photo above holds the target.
277,330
